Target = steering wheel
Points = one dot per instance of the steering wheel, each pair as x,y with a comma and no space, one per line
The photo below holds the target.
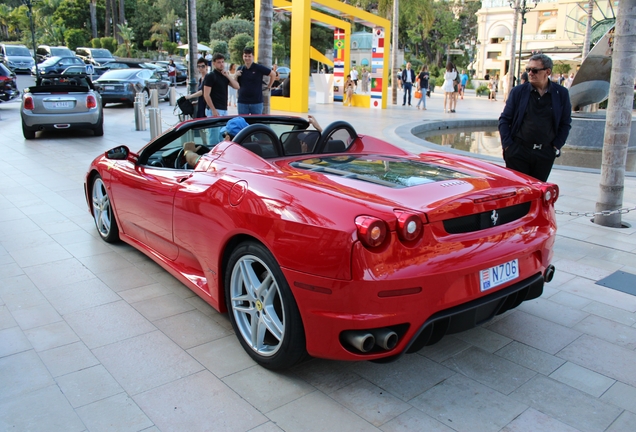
182,164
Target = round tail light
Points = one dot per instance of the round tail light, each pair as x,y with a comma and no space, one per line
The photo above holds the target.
371,230
409,226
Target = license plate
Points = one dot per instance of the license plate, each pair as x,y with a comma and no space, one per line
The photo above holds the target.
109,87
497,275
62,105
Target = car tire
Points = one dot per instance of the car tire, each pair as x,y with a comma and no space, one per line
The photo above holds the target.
147,93
27,132
102,210
99,129
256,289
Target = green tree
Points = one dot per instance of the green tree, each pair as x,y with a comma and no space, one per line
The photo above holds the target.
76,38
109,43
243,8
74,14
219,47
278,52
208,12
96,43
228,27
127,36
237,44
146,14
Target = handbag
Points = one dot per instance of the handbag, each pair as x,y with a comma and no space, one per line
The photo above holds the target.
418,94
185,106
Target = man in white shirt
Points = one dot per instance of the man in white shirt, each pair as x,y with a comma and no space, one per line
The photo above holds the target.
354,78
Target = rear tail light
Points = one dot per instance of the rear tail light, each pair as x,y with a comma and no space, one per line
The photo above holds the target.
409,226
550,193
371,231
28,103
91,102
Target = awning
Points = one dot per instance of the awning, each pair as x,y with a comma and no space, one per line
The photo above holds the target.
548,26
498,32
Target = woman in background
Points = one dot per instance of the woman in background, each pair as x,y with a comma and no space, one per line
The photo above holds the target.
422,85
449,87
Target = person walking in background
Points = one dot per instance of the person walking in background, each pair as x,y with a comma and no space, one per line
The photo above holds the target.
250,78
536,121
365,80
408,79
422,86
448,87
569,81
492,86
354,78
348,91
172,73
233,91
463,81
399,78
524,78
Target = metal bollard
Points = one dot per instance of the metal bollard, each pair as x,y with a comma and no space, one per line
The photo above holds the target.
173,96
140,115
154,117
154,98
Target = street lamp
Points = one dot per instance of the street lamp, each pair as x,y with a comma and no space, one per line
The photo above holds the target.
521,7
29,4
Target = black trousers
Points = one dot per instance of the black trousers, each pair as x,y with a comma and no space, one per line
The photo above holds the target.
407,89
535,162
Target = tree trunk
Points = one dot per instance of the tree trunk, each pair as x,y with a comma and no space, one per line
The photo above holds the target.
513,54
93,11
265,44
115,18
588,29
619,115
107,19
192,44
394,51
122,18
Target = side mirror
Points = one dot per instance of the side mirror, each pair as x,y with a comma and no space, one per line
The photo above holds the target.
118,153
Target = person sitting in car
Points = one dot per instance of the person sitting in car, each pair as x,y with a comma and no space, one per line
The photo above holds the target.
228,132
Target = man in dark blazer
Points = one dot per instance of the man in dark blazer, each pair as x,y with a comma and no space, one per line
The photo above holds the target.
535,122
408,78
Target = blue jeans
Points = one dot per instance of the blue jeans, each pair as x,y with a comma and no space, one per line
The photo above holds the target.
214,136
244,109
422,99
208,112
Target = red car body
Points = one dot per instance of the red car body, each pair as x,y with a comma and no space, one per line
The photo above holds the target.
440,222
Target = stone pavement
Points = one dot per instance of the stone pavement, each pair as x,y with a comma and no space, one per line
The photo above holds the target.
96,337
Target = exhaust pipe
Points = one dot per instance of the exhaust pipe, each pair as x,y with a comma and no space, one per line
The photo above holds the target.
385,338
359,339
549,273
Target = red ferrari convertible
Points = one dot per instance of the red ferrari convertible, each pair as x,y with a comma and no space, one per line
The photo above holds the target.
332,244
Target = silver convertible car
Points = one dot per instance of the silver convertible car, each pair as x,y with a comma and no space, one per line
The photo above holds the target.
122,85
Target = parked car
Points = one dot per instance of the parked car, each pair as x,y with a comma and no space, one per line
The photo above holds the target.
283,73
332,244
60,102
122,85
96,56
56,65
128,64
17,58
44,52
182,70
8,84
81,70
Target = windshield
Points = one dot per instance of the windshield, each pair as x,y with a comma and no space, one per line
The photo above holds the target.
50,61
62,52
17,51
123,74
101,53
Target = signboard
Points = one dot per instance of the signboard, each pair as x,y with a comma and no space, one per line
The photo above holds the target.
455,52
90,69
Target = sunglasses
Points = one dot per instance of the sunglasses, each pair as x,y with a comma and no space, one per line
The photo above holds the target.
535,70
201,66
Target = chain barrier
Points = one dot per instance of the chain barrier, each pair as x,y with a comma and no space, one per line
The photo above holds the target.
623,210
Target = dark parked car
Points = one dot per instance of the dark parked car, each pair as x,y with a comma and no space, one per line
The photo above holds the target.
130,64
122,85
96,56
182,70
81,70
44,52
8,85
57,65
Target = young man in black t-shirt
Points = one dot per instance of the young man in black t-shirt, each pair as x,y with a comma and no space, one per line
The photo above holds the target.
250,78
215,87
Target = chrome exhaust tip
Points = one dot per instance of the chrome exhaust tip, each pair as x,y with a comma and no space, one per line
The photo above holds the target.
549,273
361,340
385,338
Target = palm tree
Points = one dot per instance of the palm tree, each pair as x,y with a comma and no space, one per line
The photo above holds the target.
93,11
160,32
127,35
4,21
619,116
265,43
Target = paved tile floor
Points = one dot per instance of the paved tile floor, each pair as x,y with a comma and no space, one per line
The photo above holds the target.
96,337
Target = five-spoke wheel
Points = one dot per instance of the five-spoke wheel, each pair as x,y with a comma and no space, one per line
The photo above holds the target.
103,212
262,308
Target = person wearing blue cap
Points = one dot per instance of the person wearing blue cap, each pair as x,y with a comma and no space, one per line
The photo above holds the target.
228,132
